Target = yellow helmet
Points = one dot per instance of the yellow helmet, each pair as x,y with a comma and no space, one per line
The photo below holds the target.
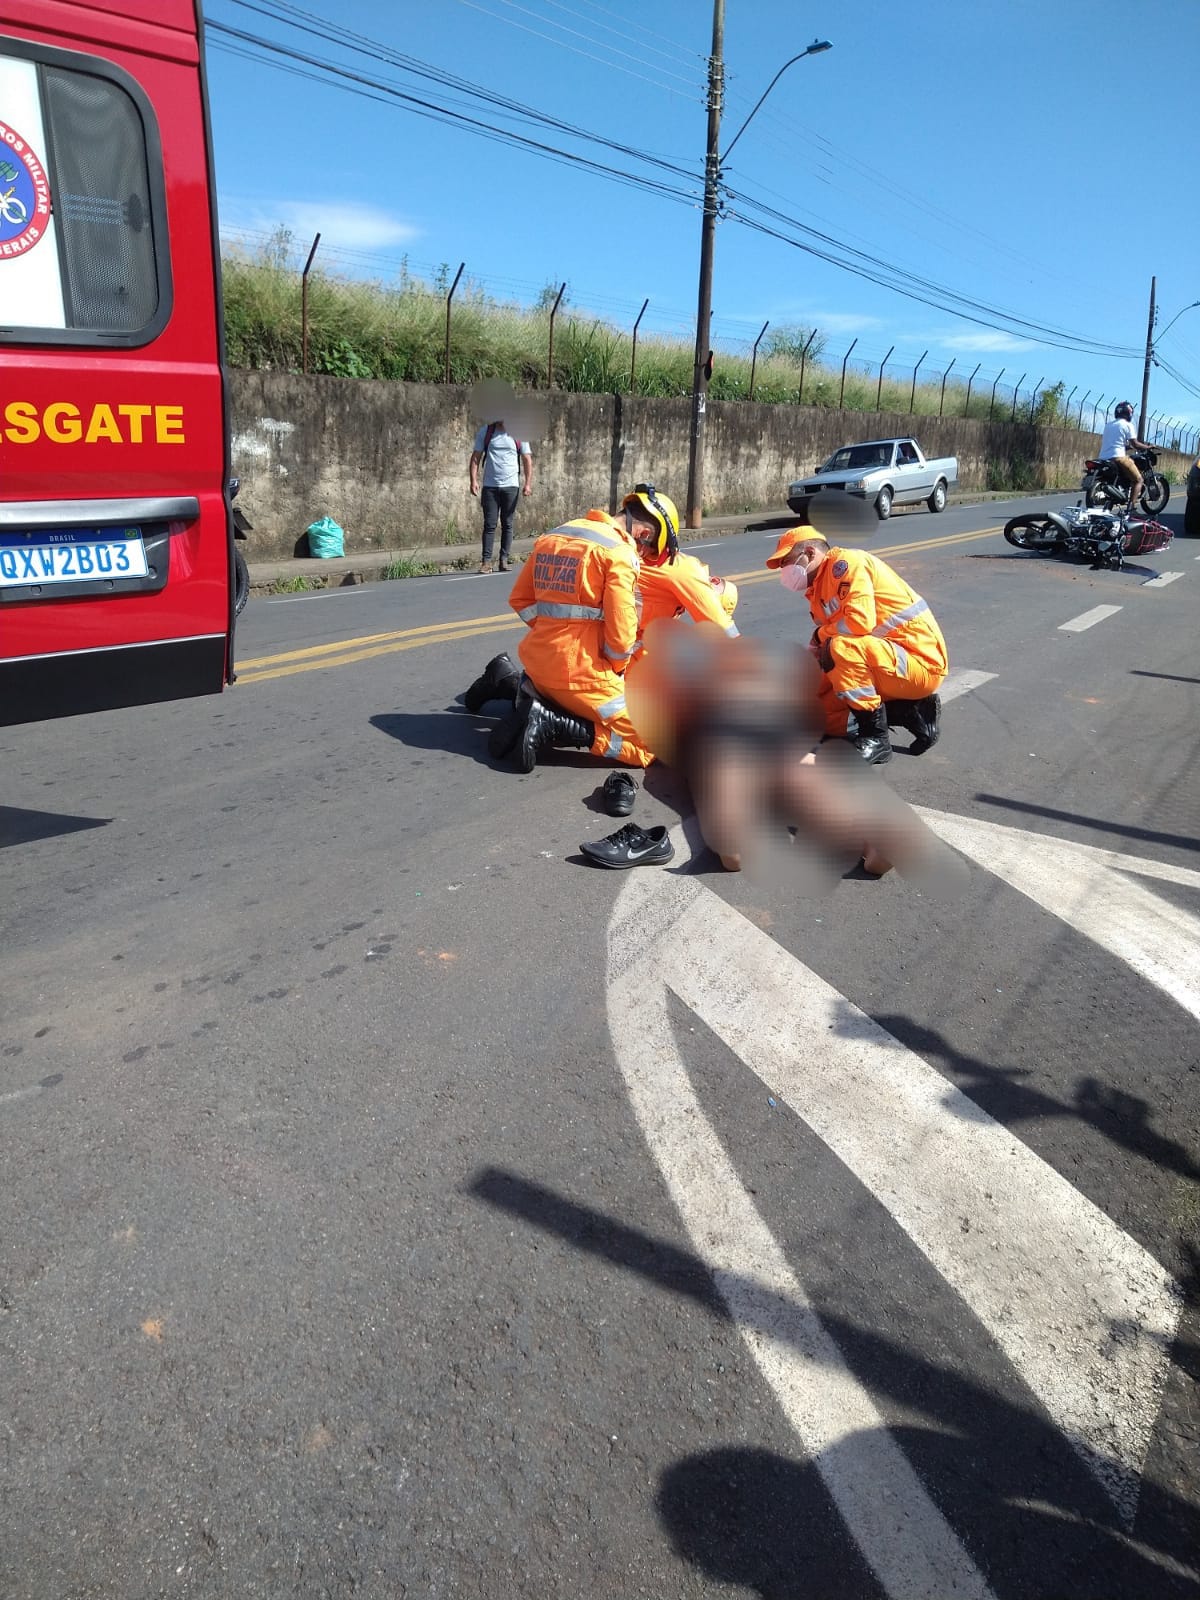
660,510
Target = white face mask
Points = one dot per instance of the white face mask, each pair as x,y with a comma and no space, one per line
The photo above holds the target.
794,577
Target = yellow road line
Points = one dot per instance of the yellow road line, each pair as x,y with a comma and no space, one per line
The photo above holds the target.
344,652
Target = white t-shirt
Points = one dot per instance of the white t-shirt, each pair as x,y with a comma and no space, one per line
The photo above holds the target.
1115,437
501,469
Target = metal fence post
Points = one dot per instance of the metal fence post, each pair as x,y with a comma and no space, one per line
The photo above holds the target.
1016,394
879,385
562,289
845,358
803,360
754,359
970,381
450,297
1096,408
912,399
304,307
633,355
1067,405
1082,403
992,402
1033,401
945,375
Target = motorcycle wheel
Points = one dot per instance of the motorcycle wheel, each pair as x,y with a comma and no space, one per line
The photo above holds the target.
1031,532
241,583
1098,495
1156,491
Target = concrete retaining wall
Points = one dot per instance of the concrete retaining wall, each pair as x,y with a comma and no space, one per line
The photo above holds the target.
388,460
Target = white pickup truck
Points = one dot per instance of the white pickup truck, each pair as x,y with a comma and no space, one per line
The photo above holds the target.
887,472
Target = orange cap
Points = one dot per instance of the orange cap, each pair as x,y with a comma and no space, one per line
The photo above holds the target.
788,542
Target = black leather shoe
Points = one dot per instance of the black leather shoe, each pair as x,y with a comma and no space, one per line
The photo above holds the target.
926,724
631,846
619,793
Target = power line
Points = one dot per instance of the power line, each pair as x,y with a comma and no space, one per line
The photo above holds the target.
611,65
359,83
674,54
835,251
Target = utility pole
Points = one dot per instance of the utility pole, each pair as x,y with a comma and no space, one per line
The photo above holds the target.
1149,357
708,229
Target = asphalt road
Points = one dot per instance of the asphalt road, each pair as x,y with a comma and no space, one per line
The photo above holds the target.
395,1206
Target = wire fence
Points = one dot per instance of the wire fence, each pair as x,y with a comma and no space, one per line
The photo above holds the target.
429,323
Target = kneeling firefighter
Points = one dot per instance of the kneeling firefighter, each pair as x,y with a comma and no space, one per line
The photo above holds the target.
577,594
881,653
670,583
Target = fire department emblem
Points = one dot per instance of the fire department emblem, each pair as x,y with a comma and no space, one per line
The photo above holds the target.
840,568
24,195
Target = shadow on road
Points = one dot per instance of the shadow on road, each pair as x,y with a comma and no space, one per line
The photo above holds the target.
998,1469
18,826
1120,1117
1181,841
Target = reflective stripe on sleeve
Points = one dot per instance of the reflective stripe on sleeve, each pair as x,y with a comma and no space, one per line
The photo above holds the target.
619,655
527,613
615,745
901,660
857,695
899,618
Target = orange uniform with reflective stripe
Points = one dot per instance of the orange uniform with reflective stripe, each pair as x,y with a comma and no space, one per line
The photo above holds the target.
577,595
881,636
684,584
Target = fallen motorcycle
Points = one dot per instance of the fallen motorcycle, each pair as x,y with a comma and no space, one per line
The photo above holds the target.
1106,538
1104,486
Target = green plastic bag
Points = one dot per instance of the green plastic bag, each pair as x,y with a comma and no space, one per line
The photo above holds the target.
325,539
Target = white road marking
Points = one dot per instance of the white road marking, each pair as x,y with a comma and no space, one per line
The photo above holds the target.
1041,1266
960,683
1090,889
901,1533
1163,579
470,577
321,594
1089,619
690,547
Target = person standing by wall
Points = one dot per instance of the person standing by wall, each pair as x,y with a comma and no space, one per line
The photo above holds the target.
507,473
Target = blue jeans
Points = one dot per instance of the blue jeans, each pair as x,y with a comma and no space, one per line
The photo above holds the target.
501,503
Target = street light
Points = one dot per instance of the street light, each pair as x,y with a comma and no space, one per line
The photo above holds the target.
814,49
701,369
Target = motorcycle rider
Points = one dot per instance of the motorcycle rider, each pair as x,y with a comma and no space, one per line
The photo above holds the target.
1115,443
875,640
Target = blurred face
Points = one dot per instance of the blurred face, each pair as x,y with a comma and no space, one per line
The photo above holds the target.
645,535
804,559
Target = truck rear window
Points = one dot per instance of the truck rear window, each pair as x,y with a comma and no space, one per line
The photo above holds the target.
83,256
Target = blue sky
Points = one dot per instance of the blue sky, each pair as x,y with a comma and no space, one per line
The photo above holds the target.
986,148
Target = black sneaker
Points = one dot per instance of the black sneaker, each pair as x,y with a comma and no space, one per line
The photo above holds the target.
619,793
631,846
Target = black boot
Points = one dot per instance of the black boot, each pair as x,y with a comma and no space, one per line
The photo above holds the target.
499,681
544,728
926,724
505,735
871,740
918,717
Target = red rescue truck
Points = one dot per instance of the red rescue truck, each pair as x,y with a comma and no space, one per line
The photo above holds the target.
116,537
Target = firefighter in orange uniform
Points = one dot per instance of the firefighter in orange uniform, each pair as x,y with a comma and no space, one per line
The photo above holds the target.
671,584
875,639
577,593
